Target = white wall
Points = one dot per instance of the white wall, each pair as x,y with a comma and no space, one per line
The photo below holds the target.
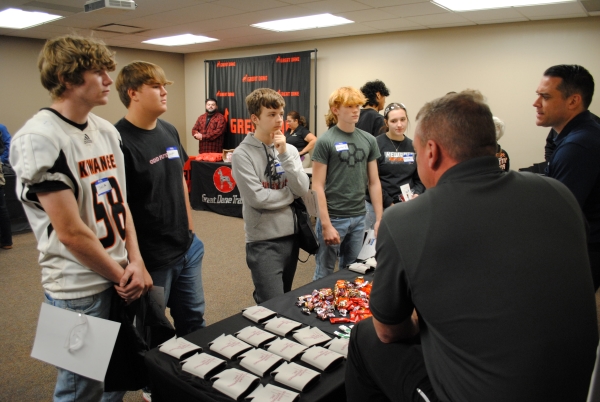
22,94
504,61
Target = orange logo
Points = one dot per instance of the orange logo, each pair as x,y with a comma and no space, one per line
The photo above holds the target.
254,78
289,93
223,179
225,94
294,59
225,63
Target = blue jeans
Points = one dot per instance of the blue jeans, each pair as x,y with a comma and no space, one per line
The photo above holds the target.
184,294
370,215
70,386
352,234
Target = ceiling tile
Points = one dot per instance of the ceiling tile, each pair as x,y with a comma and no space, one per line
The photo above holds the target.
389,3
367,15
397,24
334,6
506,14
413,10
553,10
441,20
253,5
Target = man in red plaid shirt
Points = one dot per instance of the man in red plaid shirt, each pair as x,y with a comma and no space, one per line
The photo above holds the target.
209,129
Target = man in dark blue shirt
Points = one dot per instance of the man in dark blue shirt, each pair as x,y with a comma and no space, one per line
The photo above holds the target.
564,96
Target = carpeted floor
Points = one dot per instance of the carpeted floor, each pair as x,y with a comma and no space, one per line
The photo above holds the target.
227,287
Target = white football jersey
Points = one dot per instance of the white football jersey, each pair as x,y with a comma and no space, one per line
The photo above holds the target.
50,153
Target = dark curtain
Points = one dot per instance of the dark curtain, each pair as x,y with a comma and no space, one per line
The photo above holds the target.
232,80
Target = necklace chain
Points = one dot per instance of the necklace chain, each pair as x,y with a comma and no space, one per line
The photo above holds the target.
395,147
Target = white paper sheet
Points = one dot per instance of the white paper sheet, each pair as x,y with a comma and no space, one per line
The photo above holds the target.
368,248
54,330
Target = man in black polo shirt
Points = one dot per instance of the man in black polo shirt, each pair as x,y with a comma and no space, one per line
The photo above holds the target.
564,96
500,318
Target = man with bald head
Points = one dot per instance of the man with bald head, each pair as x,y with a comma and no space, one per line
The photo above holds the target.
461,312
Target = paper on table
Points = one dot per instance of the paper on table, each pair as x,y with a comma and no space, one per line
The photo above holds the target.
281,326
322,358
339,345
258,313
228,346
368,248
359,267
177,347
285,348
258,361
58,329
202,364
234,383
254,336
310,336
270,393
295,376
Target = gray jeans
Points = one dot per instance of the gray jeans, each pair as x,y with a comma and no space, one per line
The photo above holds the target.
272,264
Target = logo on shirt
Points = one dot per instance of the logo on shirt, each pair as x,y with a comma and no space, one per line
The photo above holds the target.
86,139
352,156
223,179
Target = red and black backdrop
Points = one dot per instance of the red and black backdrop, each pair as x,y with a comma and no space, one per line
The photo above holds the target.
231,80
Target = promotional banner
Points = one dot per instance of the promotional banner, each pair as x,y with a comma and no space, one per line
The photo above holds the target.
231,80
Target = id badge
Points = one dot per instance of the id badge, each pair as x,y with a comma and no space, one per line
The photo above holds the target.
172,153
409,157
341,146
103,186
278,168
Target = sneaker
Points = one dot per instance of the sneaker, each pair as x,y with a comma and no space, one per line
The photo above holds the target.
147,396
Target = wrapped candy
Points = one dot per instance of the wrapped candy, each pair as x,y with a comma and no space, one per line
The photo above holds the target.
349,298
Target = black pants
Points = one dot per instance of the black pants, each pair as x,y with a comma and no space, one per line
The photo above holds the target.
378,371
5,230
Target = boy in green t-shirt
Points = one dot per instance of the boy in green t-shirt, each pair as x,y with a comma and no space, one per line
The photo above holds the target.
344,167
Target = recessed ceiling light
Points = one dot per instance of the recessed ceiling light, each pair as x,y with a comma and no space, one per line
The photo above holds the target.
19,19
299,23
470,5
179,40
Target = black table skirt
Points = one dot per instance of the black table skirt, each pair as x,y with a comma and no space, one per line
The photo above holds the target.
214,189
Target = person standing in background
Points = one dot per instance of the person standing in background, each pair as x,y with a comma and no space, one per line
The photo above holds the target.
5,229
209,129
397,164
370,120
564,96
501,154
6,138
299,136
344,169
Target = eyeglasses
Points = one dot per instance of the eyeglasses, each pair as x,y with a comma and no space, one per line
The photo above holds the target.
393,106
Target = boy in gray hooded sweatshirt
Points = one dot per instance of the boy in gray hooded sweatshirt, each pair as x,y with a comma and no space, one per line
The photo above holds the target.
269,176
